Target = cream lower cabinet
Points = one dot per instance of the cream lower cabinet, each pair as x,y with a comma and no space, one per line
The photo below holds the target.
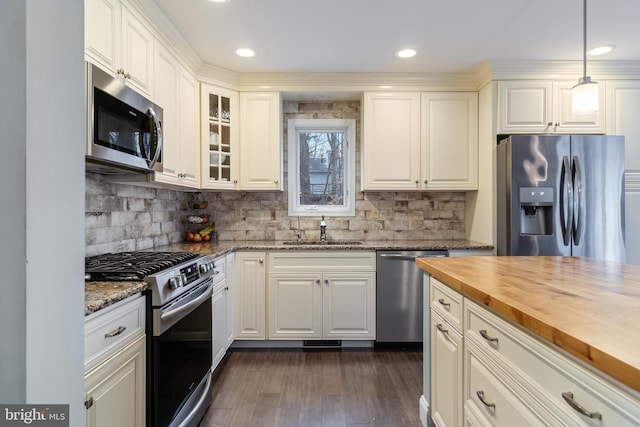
115,365
511,377
250,295
322,295
446,356
219,307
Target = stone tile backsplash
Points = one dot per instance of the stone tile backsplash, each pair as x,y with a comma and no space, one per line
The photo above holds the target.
121,217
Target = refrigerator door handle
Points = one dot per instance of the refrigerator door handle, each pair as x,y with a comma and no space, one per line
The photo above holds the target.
578,200
566,195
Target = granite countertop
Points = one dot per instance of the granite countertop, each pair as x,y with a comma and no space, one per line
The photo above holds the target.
588,307
99,295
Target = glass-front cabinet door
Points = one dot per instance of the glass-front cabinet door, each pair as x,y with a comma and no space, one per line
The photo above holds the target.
219,138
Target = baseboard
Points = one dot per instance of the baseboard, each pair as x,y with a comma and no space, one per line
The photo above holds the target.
294,344
424,412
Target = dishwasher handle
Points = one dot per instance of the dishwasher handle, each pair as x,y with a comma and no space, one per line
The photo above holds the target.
400,257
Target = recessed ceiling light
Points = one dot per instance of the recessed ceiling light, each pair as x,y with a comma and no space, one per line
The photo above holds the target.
406,53
218,1
385,87
245,53
600,50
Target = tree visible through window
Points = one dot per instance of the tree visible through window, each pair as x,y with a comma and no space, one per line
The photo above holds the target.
321,163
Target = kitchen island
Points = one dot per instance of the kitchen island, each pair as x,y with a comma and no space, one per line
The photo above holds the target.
586,310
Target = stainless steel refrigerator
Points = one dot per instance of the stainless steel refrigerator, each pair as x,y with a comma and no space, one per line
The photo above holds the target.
561,195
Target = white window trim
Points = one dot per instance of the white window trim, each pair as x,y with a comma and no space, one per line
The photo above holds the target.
294,126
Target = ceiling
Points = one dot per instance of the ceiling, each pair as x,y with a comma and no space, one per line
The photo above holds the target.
363,35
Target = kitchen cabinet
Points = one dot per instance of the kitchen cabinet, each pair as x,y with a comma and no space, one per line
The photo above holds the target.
420,141
177,92
543,106
327,295
449,141
260,141
250,295
219,312
511,377
219,138
391,141
623,103
120,42
115,359
446,356
229,333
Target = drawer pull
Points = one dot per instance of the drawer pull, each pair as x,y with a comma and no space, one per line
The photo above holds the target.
441,329
480,395
568,397
115,332
486,336
445,304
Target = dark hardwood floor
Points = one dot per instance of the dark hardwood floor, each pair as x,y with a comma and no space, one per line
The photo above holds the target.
308,388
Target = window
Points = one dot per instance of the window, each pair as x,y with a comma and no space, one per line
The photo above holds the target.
321,167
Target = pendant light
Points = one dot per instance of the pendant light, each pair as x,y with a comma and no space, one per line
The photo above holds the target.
584,95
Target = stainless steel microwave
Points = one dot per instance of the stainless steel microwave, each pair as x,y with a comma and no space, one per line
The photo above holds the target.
124,129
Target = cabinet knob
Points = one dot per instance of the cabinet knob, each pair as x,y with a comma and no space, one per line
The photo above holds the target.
261,261
88,403
426,181
275,181
318,281
326,281
235,181
417,182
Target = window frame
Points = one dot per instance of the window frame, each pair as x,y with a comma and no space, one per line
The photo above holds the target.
294,127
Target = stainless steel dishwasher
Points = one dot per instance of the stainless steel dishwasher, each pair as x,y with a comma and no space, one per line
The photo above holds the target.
399,295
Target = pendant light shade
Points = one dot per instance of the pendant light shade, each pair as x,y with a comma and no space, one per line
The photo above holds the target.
585,95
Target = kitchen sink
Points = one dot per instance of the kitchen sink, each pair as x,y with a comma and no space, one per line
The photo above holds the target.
321,242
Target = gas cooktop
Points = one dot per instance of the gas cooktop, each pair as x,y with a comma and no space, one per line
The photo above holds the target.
138,265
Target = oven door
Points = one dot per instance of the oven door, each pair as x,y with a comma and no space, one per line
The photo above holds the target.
181,358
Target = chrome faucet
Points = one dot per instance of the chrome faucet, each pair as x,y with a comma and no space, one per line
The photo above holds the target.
323,230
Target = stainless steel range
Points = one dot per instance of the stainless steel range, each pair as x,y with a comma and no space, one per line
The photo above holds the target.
179,326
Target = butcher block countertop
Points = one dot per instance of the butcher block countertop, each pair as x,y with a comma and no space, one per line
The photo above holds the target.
590,308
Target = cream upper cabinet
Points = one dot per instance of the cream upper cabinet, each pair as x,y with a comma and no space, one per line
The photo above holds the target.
322,295
177,92
623,104
449,141
250,295
120,42
420,141
260,142
543,106
391,141
219,138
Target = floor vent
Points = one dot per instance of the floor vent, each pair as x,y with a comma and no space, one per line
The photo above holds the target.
322,343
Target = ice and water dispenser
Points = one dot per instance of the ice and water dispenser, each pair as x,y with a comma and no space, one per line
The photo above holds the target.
536,210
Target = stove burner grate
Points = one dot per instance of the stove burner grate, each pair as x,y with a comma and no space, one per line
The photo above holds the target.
136,265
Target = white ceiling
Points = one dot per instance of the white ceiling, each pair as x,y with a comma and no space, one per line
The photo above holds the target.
363,35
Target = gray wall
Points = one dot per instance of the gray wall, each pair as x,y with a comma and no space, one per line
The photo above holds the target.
42,186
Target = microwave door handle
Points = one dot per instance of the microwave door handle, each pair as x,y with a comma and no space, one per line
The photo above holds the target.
158,133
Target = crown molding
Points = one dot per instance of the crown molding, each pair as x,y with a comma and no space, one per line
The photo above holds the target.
167,32
562,70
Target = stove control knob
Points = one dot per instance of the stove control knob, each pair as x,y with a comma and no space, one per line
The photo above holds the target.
175,282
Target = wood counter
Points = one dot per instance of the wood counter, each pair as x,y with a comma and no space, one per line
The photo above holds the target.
590,308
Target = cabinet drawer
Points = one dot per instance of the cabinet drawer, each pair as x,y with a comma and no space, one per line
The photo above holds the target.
287,261
220,270
108,330
548,373
487,394
446,302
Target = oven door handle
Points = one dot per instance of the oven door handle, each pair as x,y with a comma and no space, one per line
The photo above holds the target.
206,293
